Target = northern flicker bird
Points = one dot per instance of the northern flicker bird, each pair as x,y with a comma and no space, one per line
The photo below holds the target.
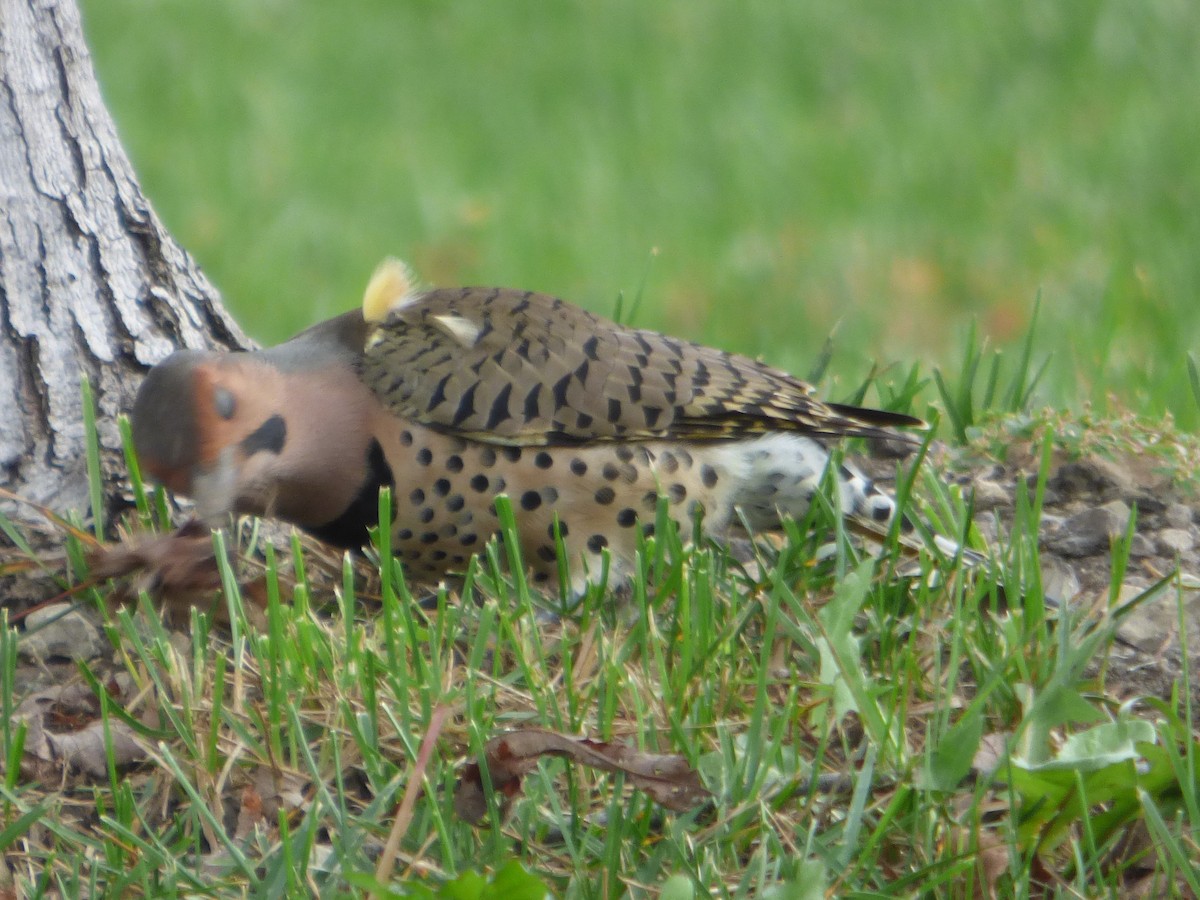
452,397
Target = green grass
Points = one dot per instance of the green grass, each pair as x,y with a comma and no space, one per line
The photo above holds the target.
860,733
894,170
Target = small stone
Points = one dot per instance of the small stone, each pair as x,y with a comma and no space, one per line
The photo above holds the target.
1178,515
1149,626
1089,532
1141,546
989,495
1093,475
1120,515
1173,541
62,632
1059,581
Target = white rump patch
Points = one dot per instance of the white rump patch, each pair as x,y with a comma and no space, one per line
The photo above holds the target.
778,474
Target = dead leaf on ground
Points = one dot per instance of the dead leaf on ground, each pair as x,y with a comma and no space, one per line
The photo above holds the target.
178,570
667,778
64,729
266,793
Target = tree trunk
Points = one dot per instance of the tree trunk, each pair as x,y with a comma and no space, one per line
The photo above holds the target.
91,284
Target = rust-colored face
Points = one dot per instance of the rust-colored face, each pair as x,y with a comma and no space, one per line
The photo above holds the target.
238,433
210,427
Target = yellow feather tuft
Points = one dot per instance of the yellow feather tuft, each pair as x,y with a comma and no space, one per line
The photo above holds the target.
391,286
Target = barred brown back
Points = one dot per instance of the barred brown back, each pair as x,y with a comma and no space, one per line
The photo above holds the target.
510,367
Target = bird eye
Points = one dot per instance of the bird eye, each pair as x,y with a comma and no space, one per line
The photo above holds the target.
224,402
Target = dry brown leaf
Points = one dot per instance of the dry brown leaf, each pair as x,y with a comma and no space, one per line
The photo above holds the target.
179,570
667,778
64,728
250,813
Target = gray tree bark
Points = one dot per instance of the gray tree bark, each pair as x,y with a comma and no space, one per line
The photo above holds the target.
91,284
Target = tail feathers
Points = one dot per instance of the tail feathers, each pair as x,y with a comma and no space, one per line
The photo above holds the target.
880,421
915,540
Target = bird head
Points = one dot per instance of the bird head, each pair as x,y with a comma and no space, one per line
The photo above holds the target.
213,427
282,432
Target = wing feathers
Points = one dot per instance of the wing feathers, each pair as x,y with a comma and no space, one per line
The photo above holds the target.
536,370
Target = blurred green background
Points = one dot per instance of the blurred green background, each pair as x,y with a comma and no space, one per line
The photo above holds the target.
770,171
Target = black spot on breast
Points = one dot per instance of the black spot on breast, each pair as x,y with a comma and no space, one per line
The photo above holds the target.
512,454
677,492
479,483
424,456
406,438
417,497
270,436
455,502
546,554
349,530
441,487
543,460
626,517
426,515
624,454
578,467
708,475
605,496
454,463
487,457
668,463
610,472
597,542
531,500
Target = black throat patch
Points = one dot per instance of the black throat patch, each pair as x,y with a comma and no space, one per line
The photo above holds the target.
349,530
